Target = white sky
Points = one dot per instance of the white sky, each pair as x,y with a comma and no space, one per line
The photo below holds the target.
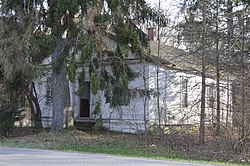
170,7
165,3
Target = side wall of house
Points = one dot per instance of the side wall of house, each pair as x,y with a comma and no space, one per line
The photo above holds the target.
43,87
132,116
179,99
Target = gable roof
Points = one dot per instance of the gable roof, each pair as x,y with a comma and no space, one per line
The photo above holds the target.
177,59
174,58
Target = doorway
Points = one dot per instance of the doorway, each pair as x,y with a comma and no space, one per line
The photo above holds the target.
85,100
84,108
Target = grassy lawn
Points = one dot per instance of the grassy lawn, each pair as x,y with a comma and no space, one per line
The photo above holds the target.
156,147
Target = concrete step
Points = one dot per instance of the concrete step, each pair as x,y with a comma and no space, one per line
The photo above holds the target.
84,123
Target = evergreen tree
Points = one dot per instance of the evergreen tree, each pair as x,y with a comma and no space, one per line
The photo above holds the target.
57,27
22,47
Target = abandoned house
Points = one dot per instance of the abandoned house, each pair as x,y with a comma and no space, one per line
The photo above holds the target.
166,92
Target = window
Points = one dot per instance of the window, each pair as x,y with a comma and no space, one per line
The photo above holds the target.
48,90
1,75
211,95
120,97
184,92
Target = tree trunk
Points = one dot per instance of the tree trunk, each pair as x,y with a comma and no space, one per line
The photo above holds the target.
157,71
145,101
37,106
244,108
34,104
203,91
60,89
230,35
145,98
217,129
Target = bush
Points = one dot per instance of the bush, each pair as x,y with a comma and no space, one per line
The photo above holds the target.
6,119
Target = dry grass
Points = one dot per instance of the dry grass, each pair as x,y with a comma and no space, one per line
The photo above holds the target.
178,145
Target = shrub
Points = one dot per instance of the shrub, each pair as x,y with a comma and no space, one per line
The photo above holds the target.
6,119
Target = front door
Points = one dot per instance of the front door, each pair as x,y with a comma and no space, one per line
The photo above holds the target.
84,101
84,109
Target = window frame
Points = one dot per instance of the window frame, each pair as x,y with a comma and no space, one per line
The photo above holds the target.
184,92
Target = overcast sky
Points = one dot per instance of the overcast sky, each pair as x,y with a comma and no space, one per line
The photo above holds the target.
165,4
170,7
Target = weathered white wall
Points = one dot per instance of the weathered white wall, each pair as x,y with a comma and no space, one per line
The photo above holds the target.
42,84
130,118
46,109
171,109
